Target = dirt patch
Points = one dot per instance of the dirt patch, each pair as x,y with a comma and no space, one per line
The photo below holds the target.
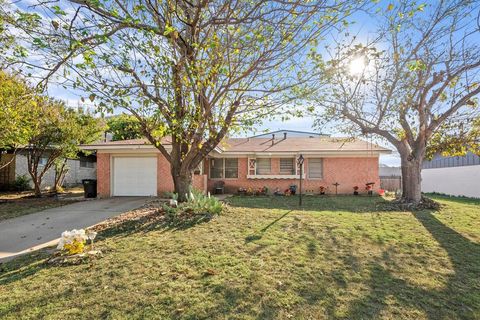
149,213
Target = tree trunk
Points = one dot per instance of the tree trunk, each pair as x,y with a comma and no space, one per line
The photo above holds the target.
411,180
37,187
182,181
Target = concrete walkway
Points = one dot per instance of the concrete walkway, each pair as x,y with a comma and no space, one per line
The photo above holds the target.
38,230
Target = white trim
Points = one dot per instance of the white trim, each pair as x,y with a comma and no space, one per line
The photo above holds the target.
321,154
123,147
275,176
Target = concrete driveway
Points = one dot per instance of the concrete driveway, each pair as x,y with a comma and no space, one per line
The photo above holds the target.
41,229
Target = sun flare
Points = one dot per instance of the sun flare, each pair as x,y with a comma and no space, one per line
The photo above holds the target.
357,66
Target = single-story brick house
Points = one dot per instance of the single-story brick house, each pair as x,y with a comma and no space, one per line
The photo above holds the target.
136,168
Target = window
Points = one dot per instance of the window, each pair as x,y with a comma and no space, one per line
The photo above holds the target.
223,168
264,166
315,168
287,166
42,161
86,162
231,168
216,168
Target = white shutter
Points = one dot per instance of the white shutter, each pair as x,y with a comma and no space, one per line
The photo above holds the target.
252,166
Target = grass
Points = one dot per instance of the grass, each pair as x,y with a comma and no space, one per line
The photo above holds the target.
16,204
338,257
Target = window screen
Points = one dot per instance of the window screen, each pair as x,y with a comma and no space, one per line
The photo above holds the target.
287,166
264,166
216,168
315,168
231,168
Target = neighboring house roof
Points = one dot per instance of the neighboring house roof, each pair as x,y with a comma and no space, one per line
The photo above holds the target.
290,145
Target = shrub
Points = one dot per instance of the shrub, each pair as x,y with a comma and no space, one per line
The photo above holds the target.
21,183
197,203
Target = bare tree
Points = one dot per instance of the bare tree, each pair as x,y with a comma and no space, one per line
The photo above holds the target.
419,77
189,70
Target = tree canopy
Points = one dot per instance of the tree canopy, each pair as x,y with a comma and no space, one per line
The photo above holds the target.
18,111
123,127
189,70
416,83
57,134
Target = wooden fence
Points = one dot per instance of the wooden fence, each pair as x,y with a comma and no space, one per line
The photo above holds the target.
7,174
391,183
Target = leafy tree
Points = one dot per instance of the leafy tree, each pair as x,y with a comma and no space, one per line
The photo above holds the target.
56,137
454,139
189,71
417,82
18,112
123,127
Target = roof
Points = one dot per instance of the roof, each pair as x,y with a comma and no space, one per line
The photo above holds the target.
298,145
265,145
132,142
290,133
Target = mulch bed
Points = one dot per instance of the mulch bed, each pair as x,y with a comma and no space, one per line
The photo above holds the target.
149,213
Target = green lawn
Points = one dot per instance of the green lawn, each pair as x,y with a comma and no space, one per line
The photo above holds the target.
16,204
339,257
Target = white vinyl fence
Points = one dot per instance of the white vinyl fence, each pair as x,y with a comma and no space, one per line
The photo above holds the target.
455,181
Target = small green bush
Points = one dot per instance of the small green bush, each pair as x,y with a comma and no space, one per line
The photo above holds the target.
21,183
197,204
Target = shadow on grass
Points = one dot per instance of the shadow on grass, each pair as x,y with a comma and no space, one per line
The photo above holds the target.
458,298
459,200
258,235
31,263
23,266
157,222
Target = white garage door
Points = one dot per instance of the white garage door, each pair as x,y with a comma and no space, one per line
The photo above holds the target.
134,176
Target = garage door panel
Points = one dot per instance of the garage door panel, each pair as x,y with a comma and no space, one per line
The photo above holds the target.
134,176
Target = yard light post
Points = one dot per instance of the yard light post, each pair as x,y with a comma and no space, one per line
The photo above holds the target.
300,161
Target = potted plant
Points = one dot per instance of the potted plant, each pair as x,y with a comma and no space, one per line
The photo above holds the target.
369,188
322,190
264,190
355,190
277,192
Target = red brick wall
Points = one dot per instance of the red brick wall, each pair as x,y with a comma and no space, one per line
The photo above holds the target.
103,175
165,180
348,172
164,176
